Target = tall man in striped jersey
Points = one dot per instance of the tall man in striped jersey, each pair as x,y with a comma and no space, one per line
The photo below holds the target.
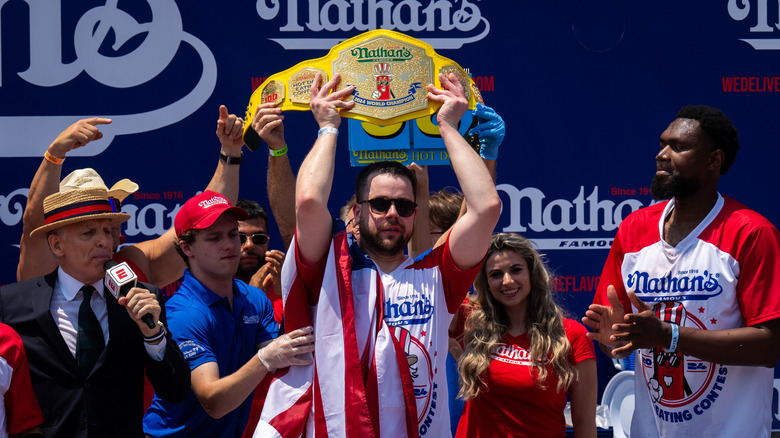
377,312
690,284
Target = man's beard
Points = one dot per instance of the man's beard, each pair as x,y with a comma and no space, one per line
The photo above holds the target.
247,271
673,186
382,246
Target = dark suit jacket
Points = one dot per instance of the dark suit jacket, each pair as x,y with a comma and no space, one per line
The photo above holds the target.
109,401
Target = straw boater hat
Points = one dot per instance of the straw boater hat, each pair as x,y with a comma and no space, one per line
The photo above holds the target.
81,178
77,205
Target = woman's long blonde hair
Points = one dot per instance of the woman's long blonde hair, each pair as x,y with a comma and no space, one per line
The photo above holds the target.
487,324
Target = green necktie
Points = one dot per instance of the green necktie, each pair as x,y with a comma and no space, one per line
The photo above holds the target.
89,344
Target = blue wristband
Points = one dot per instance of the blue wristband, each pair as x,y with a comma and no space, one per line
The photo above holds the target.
675,338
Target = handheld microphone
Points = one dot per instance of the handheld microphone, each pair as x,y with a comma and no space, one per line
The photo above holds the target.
120,278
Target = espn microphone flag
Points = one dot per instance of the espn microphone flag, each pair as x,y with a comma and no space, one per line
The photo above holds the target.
120,278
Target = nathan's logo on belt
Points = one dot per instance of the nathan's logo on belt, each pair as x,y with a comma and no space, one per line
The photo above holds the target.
417,310
689,284
381,54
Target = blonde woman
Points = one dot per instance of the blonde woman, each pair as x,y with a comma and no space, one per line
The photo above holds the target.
522,357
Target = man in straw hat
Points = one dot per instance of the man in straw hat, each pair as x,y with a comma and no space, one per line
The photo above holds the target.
225,328
87,355
152,260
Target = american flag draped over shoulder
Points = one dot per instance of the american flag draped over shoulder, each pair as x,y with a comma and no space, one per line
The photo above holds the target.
341,394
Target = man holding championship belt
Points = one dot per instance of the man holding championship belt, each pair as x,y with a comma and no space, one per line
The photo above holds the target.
367,296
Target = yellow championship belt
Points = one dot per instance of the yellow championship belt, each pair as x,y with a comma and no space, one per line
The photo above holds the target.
389,70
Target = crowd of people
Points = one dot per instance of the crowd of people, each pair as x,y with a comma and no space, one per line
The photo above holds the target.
406,316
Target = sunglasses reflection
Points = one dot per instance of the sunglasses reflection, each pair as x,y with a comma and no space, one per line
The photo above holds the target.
257,238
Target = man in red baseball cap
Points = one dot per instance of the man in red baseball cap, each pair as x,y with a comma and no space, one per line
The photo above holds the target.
224,327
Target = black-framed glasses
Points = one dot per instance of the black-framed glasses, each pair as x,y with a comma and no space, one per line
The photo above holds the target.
257,239
404,207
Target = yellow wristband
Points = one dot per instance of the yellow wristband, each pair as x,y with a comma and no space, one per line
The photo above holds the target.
277,153
52,159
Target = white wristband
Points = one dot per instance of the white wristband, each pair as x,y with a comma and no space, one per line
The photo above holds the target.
675,338
328,129
270,370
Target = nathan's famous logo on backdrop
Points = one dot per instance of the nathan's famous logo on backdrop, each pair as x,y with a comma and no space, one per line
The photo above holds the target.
764,35
763,32
461,19
147,219
140,52
584,222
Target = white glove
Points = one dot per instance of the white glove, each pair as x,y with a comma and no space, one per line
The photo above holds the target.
283,351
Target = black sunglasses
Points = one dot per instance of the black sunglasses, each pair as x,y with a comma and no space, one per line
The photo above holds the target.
257,239
404,207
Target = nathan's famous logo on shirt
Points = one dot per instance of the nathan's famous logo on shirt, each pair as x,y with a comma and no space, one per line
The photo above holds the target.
411,309
512,354
251,319
691,284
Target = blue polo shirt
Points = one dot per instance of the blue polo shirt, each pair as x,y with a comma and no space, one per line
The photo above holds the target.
206,329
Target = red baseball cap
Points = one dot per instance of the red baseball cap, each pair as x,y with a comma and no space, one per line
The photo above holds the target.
201,211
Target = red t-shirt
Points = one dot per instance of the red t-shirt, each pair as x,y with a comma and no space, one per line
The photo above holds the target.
21,407
277,303
513,404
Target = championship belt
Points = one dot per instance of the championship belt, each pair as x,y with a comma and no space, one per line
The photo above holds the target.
389,70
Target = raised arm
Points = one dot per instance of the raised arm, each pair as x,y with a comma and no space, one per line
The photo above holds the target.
421,236
491,130
315,177
35,258
229,132
268,123
470,236
157,258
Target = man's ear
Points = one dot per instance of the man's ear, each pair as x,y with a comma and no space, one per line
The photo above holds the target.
186,249
716,159
55,243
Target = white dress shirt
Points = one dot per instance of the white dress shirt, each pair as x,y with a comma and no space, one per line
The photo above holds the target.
65,302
